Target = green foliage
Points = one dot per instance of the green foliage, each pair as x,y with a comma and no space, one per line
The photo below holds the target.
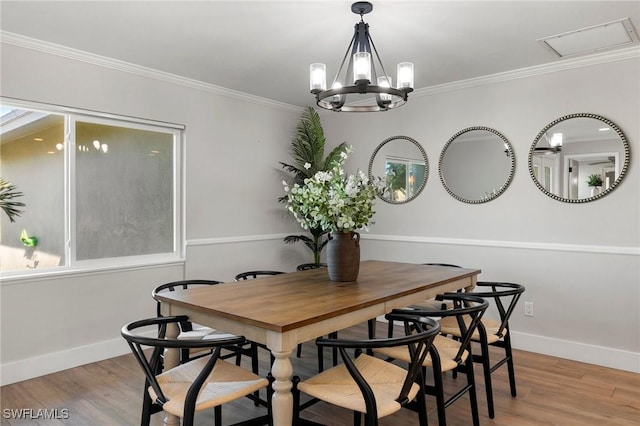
307,148
396,178
594,180
315,244
307,151
332,200
8,193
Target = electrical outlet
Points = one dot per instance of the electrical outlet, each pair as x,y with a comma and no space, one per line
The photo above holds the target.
528,309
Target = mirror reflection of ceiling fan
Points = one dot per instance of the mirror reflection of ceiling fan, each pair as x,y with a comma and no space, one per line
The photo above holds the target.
610,160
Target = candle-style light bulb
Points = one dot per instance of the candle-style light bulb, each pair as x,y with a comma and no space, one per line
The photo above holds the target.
336,85
405,75
556,140
384,81
317,77
362,66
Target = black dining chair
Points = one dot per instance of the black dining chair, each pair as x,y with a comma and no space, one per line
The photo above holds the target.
252,275
307,266
505,296
448,354
368,385
199,384
432,303
429,303
189,330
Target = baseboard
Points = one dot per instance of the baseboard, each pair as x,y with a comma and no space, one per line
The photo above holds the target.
576,351
30,368
42,365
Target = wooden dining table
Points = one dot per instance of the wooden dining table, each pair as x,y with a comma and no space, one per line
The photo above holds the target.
284,310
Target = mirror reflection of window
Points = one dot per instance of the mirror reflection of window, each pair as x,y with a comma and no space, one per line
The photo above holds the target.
401,163
403,177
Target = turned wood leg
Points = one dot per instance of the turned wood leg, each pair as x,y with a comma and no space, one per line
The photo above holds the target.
282,399
171,359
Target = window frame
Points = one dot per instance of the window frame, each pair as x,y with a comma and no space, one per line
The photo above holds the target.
72,265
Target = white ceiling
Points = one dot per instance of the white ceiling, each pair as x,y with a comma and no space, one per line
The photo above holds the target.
264,48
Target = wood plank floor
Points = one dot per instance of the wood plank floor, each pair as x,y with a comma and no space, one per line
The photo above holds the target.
551,391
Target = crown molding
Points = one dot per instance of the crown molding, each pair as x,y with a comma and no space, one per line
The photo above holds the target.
632,52
115,64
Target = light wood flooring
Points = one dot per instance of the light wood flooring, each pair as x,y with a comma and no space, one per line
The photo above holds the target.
551,391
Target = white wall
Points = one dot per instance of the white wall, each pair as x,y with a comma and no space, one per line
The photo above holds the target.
579,262
233,219
579,266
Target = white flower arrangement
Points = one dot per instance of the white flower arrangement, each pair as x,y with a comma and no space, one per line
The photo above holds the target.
332,200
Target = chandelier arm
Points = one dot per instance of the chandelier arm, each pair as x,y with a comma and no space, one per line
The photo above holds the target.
344,59
384,72
383,104
354,48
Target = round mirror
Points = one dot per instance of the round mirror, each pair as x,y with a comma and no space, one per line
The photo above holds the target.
402,164
579,158
477,165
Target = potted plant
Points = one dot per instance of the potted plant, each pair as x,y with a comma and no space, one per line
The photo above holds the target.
307,148
340,204
594,180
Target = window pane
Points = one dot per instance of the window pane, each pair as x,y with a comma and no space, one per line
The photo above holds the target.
32,159
124,191
416,177
396,175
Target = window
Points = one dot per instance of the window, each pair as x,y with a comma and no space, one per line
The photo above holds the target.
98,190
404,177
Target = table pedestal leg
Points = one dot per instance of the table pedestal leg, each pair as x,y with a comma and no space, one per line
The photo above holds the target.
282,402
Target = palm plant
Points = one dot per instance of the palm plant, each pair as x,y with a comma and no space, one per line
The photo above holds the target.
7,193
307,149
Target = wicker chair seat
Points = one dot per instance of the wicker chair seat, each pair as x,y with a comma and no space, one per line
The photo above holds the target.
450,326
447,350
337,387
227,382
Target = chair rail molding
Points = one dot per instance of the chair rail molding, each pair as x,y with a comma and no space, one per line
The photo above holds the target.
525,245
234,239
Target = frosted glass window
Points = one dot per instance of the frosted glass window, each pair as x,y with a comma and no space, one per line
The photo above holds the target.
124,191
99,191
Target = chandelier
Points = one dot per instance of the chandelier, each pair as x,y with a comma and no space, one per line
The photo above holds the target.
360,75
